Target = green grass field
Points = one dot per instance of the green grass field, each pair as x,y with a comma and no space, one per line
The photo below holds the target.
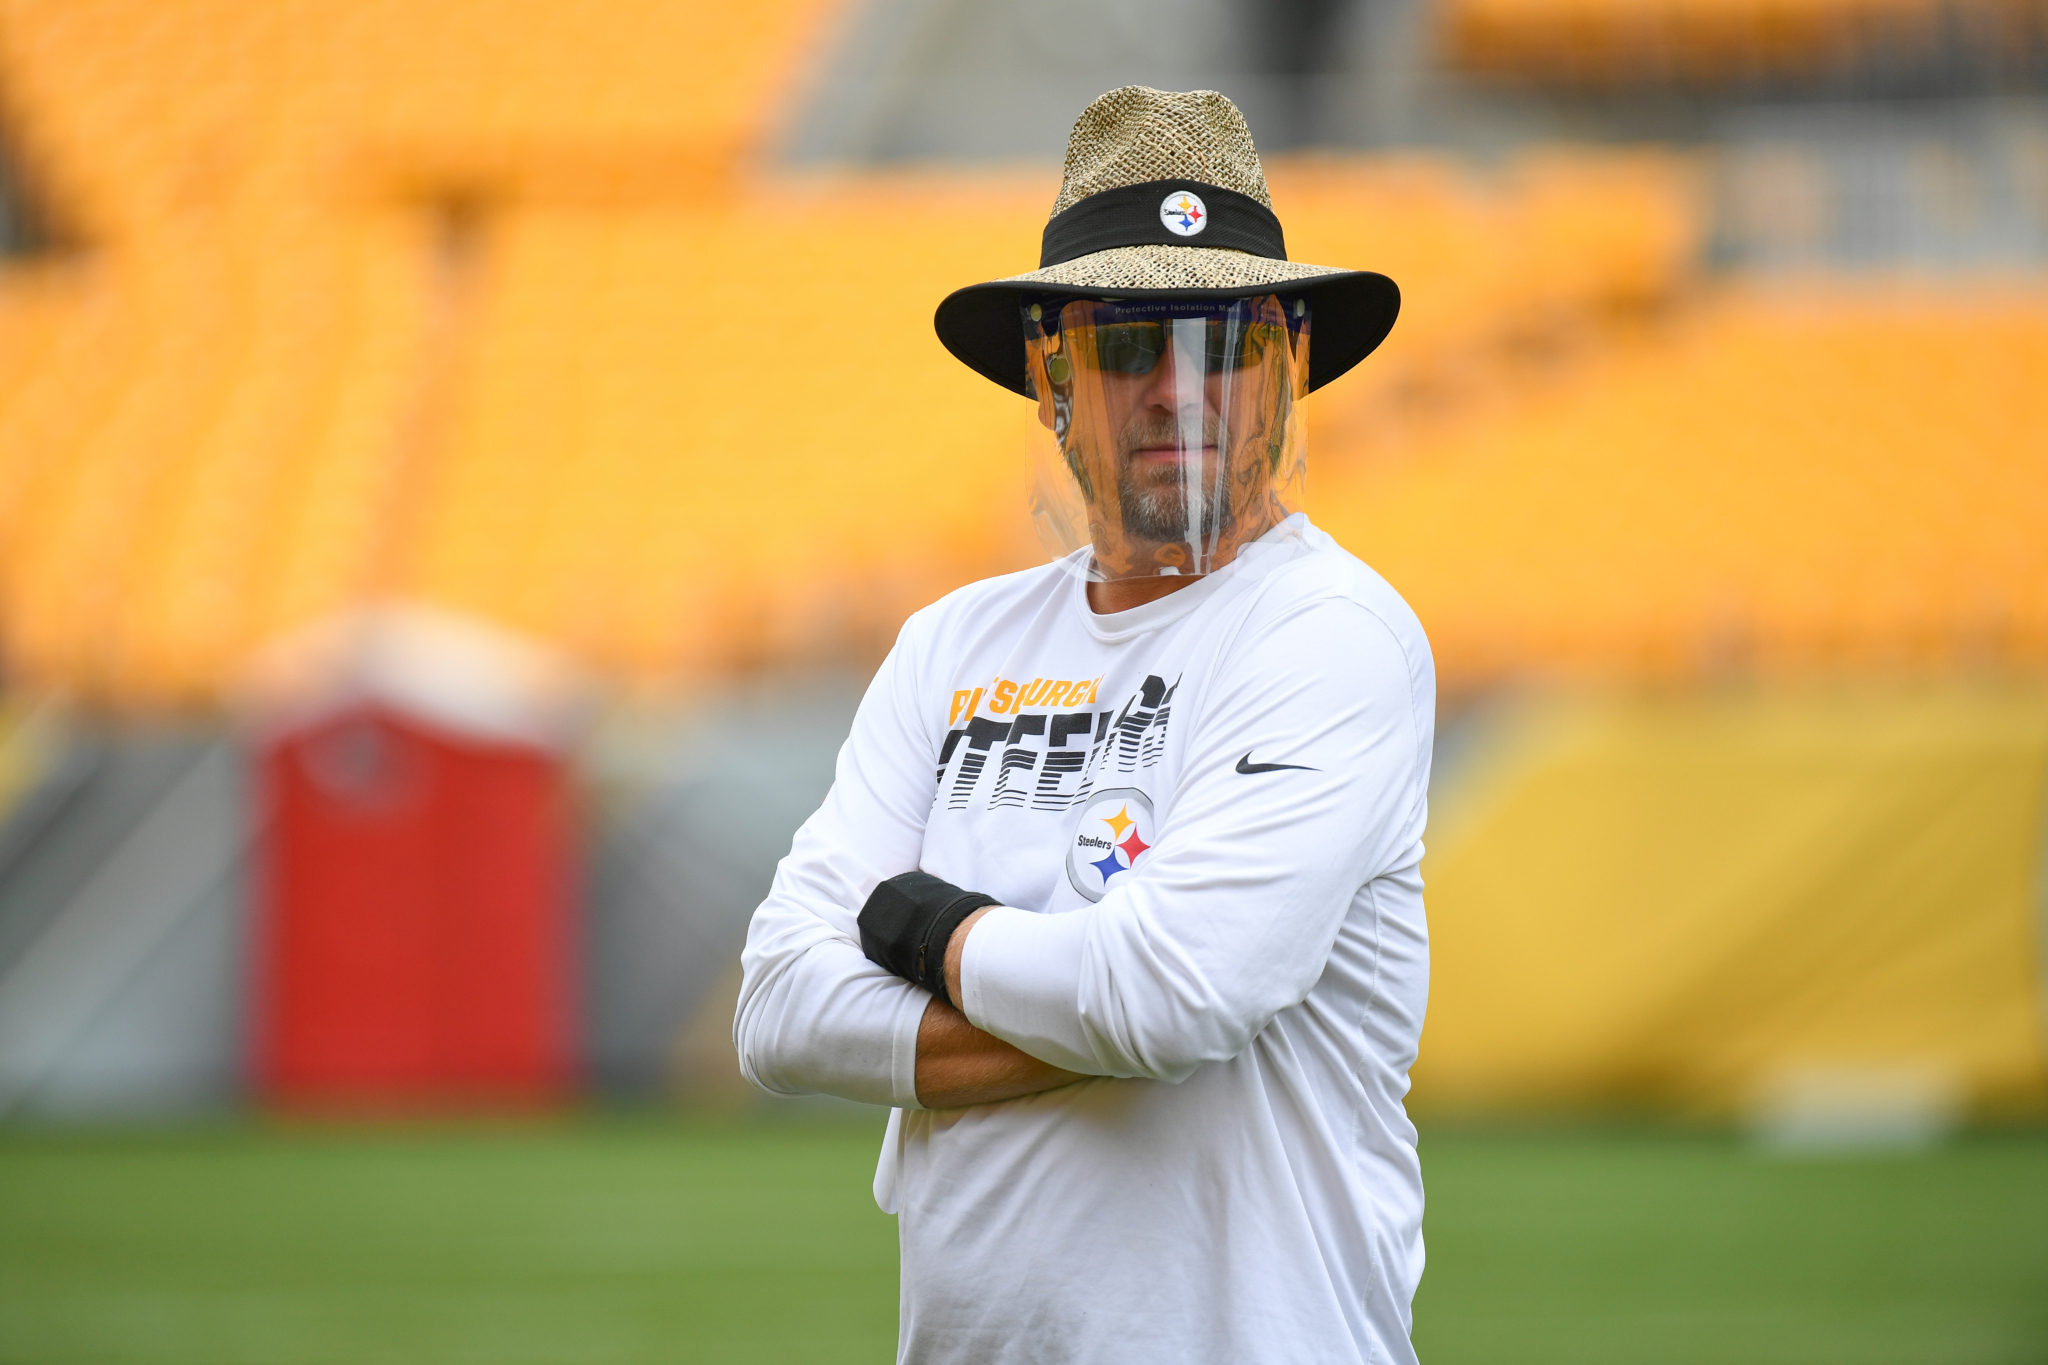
602,1241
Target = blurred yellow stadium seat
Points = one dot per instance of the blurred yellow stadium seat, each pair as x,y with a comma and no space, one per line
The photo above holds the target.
498,306
1610,43
489,305
1844,477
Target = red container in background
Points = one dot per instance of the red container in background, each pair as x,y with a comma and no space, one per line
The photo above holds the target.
416,935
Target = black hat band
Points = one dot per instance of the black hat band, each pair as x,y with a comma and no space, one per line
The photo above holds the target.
1163,213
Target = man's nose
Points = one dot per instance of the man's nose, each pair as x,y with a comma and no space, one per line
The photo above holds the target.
1159,390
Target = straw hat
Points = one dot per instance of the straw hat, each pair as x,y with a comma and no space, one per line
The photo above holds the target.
1162,196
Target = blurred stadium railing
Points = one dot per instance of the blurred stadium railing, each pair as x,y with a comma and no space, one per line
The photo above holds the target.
1708,450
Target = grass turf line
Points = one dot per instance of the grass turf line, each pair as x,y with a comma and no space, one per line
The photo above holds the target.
590,1242
1696,1249
622,1242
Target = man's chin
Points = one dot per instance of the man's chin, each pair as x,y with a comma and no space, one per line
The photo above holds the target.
1171,528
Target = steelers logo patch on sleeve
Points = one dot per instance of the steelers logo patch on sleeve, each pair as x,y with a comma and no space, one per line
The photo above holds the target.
1113,836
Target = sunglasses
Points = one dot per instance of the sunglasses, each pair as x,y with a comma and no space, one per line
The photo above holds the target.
1135,347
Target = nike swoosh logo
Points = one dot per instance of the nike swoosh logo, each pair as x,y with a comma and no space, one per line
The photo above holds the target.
1246,766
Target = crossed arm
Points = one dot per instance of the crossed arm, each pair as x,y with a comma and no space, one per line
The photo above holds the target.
1232,919
958,1065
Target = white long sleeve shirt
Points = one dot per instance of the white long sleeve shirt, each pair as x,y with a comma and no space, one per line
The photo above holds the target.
1204,819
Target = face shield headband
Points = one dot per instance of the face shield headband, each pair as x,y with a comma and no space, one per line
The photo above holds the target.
1173,429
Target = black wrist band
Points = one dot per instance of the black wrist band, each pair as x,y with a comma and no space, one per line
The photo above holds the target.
907,923
931,955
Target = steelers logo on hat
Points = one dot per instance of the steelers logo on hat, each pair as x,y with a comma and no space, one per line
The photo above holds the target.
1115,832
1184,213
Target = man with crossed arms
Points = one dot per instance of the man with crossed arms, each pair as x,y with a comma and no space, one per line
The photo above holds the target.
1115,899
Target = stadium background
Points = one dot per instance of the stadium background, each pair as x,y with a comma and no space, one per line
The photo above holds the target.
459,462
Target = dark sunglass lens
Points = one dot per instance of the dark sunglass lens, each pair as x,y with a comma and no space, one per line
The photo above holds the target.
1232,346
1135,347
1129,347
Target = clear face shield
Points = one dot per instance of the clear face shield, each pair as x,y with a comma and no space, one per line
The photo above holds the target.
1174,429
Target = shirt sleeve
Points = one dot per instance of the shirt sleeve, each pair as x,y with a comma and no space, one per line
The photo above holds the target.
815,1016
1233,914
